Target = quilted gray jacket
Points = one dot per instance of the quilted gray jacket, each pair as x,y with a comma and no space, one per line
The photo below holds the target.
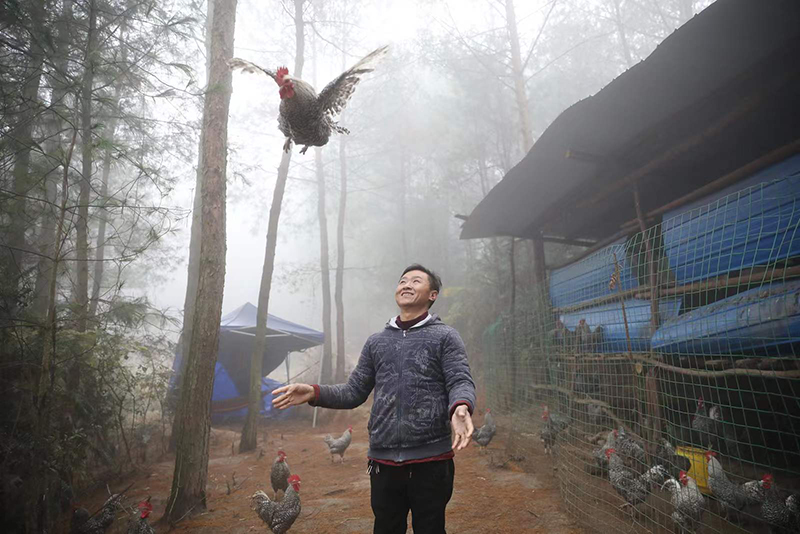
419,375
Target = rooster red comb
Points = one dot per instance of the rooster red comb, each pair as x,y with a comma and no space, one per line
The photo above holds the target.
767,479
610,451
292,479
350,428
145,507
282,71
709,454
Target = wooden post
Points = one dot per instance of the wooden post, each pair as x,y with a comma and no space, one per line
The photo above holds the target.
652,407
650,259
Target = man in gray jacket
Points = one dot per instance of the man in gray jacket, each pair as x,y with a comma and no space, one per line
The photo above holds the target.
421,413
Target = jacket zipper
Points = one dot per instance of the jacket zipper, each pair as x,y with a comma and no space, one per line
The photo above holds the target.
400,394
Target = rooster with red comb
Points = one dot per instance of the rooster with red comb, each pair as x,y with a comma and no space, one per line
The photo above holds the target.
142,526
305,117
280,473
687,502
279,515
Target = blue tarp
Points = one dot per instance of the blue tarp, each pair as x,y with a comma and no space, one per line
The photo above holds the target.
232,371
751,223
763,321
228,405
610,317
588,278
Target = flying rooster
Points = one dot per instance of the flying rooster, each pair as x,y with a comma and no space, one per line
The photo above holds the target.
306,118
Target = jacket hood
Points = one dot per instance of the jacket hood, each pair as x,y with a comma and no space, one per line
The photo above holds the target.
432,318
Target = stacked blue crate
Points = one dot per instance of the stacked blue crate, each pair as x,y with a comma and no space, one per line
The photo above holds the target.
753,224
588,279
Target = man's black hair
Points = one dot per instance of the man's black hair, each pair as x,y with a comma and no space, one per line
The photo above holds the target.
433,279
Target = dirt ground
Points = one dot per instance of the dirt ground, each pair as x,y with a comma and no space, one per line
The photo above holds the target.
491,493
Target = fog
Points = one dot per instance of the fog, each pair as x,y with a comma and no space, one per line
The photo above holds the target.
443,101
109,124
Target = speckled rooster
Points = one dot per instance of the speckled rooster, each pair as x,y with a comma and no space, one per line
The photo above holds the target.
279,515
306,118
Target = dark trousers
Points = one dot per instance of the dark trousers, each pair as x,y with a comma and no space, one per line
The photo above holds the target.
423,488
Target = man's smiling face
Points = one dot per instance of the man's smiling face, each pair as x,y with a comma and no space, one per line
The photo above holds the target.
414,290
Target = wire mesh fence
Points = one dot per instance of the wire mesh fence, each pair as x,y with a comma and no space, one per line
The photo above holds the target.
662,370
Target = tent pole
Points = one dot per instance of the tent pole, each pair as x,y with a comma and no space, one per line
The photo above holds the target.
314,419
287,368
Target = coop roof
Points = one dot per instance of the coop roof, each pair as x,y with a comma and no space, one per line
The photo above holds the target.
719,93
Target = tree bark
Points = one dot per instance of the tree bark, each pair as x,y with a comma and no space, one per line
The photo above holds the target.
100,248
182,350
250,430
21,143
82,224
43,383
188,493
338,294
324,260
324,255
519,79
50,214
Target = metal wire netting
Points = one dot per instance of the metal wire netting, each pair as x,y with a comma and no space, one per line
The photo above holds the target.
663,346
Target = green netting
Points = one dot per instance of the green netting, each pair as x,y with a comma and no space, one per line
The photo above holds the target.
685,339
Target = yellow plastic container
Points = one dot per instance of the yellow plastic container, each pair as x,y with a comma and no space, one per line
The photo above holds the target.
699,468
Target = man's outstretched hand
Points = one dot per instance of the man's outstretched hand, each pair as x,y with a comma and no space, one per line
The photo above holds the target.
461,423
292,395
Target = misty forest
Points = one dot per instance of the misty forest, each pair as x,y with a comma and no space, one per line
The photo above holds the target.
180,215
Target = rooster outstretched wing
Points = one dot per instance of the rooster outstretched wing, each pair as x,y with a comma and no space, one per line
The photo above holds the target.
336,94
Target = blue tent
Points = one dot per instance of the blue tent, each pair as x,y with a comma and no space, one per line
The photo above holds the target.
232,371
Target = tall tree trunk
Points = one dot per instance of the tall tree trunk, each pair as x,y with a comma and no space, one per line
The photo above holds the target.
100,248
324,260
519,79
250,430
338,295
43,383
21,138
182,350
324,254
82,225
188,493
49,214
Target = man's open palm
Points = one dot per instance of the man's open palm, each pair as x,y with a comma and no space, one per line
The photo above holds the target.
292,395
461,423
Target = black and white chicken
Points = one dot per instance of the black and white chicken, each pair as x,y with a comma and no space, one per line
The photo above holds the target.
279,515
279,474
305,117
687,502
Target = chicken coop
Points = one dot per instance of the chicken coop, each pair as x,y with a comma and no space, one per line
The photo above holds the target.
663,330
